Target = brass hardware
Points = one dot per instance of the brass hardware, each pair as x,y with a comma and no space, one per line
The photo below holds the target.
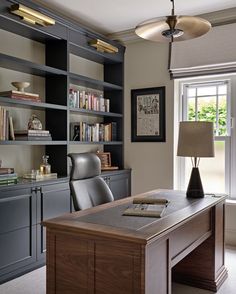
102,46
31,16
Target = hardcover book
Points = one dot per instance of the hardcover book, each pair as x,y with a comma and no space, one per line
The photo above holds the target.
145,206
149,210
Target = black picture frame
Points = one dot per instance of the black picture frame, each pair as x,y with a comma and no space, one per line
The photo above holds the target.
148,115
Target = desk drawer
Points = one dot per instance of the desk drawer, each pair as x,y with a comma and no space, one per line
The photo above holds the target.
189,233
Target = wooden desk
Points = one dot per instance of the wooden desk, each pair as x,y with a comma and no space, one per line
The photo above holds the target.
100,251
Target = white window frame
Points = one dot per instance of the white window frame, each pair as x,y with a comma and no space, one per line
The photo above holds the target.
230,141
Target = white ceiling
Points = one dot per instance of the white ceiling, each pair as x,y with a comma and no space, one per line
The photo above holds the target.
108,16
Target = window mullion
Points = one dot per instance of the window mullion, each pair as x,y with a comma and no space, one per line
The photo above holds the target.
217,110
196,105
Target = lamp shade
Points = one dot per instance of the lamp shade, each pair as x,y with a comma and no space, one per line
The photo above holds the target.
196,139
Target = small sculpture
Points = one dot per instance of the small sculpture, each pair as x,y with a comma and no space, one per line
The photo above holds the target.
20,85
34,123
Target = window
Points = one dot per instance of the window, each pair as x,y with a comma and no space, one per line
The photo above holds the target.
209,101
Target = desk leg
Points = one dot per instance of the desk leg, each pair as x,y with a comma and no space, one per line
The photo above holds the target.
205,266
158,269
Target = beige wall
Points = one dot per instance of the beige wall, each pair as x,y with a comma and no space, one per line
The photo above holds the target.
152,163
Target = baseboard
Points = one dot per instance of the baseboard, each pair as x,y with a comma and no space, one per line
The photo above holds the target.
202,283
230,237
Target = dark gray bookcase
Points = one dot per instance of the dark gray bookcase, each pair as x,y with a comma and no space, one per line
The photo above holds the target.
24,205
61,40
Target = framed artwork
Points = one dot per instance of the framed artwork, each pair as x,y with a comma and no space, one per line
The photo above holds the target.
148,115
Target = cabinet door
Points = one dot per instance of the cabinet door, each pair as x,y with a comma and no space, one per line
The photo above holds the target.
119,184
17,231
52,201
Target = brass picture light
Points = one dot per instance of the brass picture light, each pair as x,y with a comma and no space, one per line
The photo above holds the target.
102,46
31,16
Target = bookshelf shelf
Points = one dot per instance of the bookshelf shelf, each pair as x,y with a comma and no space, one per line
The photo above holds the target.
95,113
96,143
92,83
22,65
30,104
15,142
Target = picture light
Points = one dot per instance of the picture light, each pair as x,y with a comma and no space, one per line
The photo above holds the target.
102,46
31,16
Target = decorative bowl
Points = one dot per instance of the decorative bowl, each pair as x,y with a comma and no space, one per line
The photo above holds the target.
20,85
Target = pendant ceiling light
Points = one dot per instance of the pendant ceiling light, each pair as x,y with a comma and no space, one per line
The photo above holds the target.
173,28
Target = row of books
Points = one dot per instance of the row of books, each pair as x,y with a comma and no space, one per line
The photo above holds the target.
97,132
32,135
89,101
21,95
6,124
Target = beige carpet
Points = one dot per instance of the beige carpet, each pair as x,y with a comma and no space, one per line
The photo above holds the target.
35,282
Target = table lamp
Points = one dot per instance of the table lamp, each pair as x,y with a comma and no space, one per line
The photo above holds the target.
196,140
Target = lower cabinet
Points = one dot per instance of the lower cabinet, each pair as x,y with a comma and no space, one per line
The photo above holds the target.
22,238
119,182
52,201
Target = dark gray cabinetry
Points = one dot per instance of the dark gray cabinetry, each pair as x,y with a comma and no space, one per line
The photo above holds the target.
119,183
22,208
52,201
17,230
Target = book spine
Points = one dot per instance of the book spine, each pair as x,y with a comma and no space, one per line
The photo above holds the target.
33,138
6,182
8,176
18,93
12,135
1,123
25,98
7,125
6,170
4,124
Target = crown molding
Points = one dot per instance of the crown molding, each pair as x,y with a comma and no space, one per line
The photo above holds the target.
221,17
216,18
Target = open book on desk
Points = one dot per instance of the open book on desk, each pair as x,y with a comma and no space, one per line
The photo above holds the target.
152,207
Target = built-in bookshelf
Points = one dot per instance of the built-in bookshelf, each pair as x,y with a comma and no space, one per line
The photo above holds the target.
98,99
52,73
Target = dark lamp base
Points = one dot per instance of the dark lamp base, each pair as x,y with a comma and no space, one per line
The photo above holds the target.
195,189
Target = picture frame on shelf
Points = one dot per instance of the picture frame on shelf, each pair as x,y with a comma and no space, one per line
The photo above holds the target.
105,158
148,115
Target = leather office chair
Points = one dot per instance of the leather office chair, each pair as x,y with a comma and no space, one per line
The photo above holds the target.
88,188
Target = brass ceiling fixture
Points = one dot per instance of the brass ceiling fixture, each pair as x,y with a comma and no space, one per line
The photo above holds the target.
173,28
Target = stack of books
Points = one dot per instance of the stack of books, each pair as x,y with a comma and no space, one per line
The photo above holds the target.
147,207
97,132
32,135
21,95
7,176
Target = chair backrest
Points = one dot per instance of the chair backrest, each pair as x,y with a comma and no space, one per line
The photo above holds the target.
88,188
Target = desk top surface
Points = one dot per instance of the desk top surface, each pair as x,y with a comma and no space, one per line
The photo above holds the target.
107,220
